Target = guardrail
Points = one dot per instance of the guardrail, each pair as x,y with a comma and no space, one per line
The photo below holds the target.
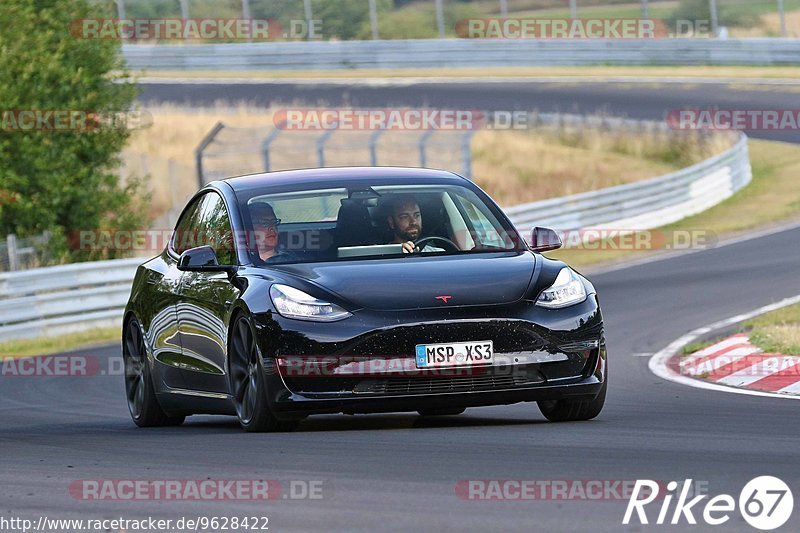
449,53
66,298
61,299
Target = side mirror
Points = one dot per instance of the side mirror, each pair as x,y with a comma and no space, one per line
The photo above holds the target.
200,259
544,239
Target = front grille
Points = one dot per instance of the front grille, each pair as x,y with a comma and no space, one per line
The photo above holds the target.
440,385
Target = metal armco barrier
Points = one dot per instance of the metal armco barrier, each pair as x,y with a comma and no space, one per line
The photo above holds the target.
79,296
441,53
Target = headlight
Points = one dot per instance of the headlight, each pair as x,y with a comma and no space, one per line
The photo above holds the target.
294,303
566,290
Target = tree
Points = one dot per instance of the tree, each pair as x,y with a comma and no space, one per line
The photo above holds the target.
62,181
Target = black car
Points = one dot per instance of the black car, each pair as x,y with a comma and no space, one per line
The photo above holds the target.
357,290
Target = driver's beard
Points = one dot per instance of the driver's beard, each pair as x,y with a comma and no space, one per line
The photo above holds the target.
408,236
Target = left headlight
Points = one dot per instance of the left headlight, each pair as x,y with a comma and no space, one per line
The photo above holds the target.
566,290
294,303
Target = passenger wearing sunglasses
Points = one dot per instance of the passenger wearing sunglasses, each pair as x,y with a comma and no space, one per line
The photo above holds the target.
265,224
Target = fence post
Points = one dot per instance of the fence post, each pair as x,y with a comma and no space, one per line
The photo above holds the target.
198,152
712,7
373,147
265,147
321,146
246,14
309,18
440,18
11,243
173,189
423,141
466,152
373,19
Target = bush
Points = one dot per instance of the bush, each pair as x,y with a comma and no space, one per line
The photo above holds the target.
62,181
728,15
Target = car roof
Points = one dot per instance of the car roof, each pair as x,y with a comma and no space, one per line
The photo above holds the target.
338,175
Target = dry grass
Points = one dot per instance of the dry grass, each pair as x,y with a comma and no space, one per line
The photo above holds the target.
173,135
770,26
513,166
517,167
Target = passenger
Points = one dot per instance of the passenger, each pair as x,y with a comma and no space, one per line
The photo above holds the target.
265,224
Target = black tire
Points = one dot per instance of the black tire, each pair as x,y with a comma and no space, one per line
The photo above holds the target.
441,412
139,391
573,410
248,384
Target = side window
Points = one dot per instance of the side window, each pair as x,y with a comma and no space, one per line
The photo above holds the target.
185,235
215,229
486,232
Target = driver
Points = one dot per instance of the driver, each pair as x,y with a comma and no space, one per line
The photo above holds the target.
405,220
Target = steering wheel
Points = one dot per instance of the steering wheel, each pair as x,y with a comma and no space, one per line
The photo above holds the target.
420,243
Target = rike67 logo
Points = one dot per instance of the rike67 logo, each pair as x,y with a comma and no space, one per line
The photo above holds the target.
765,503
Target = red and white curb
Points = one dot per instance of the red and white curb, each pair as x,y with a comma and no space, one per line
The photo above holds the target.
733,365
738,363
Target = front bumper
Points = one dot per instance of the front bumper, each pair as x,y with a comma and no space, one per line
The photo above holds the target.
366,363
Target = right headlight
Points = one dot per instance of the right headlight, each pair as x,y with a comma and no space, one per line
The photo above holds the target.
294,303
566,290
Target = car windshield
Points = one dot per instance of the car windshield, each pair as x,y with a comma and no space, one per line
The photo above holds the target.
374,222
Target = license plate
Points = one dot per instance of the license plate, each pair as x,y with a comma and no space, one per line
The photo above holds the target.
454,354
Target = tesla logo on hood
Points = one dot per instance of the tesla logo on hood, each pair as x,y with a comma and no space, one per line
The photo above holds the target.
443,298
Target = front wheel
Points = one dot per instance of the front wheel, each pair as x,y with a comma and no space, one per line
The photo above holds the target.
142,402
573,410
248,385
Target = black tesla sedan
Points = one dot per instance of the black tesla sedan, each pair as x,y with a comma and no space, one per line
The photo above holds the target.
357,290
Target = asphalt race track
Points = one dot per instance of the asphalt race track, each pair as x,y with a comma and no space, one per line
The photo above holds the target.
632,100
398,471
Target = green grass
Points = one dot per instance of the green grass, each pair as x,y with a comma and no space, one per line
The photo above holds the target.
693,347
59,344
776,332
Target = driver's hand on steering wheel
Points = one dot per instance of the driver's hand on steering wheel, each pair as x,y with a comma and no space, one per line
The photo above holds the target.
409,247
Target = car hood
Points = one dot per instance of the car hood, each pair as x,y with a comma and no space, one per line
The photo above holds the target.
416,282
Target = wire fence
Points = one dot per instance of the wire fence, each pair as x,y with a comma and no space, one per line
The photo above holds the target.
393,19
22,254
230,151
